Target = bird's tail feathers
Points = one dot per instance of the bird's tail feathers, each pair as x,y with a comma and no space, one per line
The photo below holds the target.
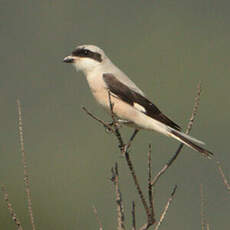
189,141
193,139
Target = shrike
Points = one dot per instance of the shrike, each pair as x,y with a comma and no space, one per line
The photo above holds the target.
129,103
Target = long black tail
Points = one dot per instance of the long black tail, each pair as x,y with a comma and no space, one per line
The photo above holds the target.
182,138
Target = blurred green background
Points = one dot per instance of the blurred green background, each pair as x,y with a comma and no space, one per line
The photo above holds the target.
166,47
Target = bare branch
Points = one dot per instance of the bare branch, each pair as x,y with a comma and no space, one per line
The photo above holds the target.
97,217
144,227
10,208
133,216
141,195
99,120
195,108
226,183
202,214
151,216
150,187
166,208
204,224
26,175
120,207
189,127
126,147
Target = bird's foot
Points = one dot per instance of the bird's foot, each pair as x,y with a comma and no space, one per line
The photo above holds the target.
109,127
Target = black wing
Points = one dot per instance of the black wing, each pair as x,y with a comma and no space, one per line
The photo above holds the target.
131,97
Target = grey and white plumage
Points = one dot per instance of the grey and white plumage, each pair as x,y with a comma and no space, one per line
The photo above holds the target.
129,102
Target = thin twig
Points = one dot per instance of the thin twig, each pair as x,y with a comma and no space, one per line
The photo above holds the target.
166,208
151,216
97,217
226,183
144,227
195,108
141,195
26,175
189,127
204,224
150,187
133,216
202,203
120,207
127,146
99,120
10,208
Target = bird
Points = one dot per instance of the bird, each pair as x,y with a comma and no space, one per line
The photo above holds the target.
130,105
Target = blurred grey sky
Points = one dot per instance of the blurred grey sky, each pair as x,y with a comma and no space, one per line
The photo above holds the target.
166,47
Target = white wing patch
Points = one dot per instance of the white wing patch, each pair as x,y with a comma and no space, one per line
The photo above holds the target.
139,107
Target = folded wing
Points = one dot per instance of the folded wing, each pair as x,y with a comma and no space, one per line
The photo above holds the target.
136,100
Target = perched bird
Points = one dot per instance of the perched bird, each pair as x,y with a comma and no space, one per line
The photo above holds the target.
129,103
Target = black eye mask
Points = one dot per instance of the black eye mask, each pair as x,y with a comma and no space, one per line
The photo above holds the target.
82,52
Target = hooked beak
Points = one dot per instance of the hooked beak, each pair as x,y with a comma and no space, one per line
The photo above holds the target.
69,59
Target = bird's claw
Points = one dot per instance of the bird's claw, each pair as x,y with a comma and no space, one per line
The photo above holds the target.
108,127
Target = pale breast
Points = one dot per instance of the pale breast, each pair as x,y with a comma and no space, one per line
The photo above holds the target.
100,92
98,89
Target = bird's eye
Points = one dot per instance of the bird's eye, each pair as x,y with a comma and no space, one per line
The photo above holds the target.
86,52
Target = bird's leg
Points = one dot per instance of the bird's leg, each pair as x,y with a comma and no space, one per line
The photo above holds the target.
118,123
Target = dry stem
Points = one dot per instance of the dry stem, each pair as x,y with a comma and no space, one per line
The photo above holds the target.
133,216
166,208
26,175
226,183
139,190
11,210
204,224
120,207
110,128
202,214
150,188
189,127
97,217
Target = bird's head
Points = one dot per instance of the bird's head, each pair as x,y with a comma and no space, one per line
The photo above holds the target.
86,58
